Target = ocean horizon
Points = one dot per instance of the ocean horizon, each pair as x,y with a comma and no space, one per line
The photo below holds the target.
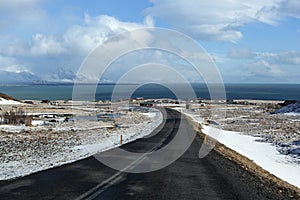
154,91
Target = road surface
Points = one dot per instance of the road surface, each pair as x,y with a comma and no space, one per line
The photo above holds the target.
189,177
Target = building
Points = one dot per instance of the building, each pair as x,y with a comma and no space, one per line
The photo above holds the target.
45,101
29,102
147,104
188,106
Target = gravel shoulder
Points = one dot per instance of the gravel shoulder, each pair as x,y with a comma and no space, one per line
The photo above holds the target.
262,178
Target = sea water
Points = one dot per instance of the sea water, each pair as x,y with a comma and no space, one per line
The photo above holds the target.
154,91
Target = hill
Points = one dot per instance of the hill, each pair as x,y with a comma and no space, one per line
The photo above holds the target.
6,99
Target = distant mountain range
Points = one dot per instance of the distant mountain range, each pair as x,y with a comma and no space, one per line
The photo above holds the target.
18,78
60,76
63,75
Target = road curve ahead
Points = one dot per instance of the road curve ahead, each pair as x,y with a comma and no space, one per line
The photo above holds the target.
189,177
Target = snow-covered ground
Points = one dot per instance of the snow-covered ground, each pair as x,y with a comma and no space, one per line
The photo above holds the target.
292,114
293,108
8,102
263,154
92,145
25,150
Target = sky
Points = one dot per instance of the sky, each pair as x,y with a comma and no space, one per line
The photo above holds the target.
249,41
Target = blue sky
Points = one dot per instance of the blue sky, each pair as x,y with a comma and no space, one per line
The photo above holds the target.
250,41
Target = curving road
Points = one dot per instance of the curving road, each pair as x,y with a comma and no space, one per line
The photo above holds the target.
189,177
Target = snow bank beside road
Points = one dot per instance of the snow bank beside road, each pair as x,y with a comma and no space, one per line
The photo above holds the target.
263,154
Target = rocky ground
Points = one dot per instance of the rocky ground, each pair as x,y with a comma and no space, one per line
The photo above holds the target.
282,130
28,149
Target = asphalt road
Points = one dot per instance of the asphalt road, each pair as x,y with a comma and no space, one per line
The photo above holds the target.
189,177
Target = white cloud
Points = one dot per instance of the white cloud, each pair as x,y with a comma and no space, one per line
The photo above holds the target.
39,45
266,66
240,53
216,20
76,40
11,65
45,45
290,8
217,58
279,58
269,69
21,12
262,68
284,58
96,30
46,53
6,62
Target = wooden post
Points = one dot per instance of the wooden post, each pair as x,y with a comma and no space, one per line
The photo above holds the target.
121,139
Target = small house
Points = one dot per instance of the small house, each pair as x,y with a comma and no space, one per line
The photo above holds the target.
147,104
45,101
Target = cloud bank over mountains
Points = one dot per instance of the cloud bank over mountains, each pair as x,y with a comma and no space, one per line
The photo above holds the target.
67,50
36,45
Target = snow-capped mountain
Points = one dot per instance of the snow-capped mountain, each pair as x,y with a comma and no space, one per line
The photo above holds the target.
291,108
67,76
7,77
59,76
63,75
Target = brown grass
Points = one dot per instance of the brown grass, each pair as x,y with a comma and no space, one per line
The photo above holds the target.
5,96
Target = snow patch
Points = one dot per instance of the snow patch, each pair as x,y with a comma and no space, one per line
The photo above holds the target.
37,122
8,102
92,141
291,108
263,154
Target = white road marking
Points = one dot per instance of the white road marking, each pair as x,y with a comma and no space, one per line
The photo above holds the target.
94,192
